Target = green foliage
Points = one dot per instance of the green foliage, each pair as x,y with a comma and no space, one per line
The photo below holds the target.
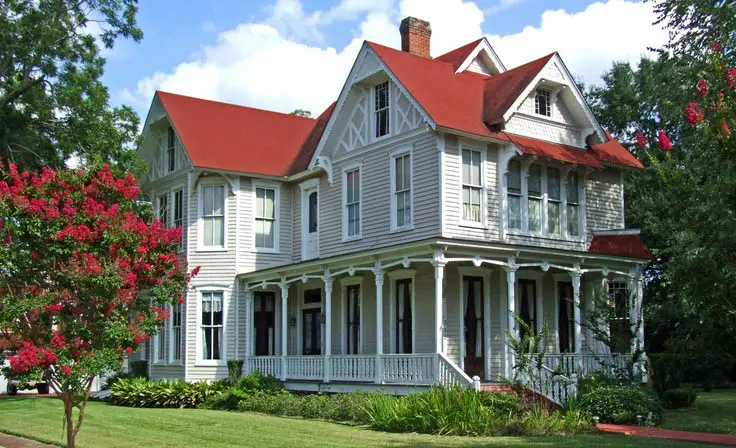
114,378
679,398
257,381
52,102
620,404
596,380
143,393
234,370
139,369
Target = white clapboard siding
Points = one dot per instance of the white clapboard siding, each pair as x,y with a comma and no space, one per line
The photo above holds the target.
603,201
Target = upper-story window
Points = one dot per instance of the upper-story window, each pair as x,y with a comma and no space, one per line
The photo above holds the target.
266,217
213,215
163,209
542,103
179,208
553,203
472,186
351,208
401,195
513,190
542,200
171,150
382,109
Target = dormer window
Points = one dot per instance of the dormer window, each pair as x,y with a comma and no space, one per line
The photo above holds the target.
382,109
171,150
542,103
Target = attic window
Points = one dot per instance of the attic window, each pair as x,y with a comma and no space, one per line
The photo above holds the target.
381,108
170,150
542,103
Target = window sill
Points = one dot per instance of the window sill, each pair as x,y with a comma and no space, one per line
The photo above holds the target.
540,236
266,250
211,249
476,225
203,363
401,229
347,239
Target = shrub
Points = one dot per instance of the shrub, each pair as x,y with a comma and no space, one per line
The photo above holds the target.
139,369
234,370
257,381
140,392
620,404
679,398
114,378
596,380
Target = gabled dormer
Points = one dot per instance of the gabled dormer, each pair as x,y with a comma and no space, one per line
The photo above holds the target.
477,56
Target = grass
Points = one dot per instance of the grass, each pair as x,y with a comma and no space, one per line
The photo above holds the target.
713,412
111,426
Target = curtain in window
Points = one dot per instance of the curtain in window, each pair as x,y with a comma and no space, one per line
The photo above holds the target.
573,205
265,217
513,187
402,190
403,316
535,198
213,215
553,195
211,325
472,185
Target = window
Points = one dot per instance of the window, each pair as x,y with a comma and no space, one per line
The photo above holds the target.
472,186
264,318
401,196
534,199
352,318
265,218
213,215
528,305
566,318
163,209
382,109
175,339
619,325
513,188
573,205
171,150
211,325
313,211
553,200
403,316
352,203
542,103
178,208
161,342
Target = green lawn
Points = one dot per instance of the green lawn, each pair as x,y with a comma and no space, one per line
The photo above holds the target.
110,426
713,412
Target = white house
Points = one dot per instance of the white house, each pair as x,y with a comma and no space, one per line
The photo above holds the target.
388,242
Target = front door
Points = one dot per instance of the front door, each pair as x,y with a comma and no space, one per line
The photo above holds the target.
474,328
311,331
264,320
310,225
565,318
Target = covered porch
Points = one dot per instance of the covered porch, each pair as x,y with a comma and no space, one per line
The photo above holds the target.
434,313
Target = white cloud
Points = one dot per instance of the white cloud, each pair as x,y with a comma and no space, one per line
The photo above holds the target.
502,5
280,64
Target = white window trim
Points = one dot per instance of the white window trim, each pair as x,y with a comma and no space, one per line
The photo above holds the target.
394,217
158,359
344,283
544,234
549,102
485,274
182,307
200,362
172,131
276,214
402,274
372,108
304,188
538,278
361,173
484,185
300,306
200,211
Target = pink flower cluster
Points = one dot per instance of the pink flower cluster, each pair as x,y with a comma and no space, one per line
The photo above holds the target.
29,357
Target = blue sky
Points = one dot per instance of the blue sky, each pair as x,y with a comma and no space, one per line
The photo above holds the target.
240,51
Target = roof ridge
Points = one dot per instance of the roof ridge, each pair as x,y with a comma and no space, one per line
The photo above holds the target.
225,103
546,58
422,58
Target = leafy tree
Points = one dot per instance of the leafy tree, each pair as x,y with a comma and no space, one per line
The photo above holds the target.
83,278
695,24
301,113
52,103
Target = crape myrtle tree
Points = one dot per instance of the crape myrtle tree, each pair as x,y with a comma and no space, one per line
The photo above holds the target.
84,278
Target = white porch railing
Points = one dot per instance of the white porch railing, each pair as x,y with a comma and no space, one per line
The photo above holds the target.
450,375
609,364
267,365
353,368
409,368
305,367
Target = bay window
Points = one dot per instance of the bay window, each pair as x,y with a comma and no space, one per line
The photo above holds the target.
213,216
211,325
472,186
513,189
553,201
573,205
534,200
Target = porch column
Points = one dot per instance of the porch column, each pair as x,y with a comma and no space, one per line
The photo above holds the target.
439,275
327,278
379,273
511,308
284,326
249,327
576,275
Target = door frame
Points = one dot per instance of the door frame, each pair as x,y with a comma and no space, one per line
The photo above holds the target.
275,321
300,306
393,276
307,187
344,283
485,274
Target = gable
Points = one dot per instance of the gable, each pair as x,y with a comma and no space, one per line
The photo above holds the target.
154,147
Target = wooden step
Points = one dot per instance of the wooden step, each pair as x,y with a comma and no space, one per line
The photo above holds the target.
496,387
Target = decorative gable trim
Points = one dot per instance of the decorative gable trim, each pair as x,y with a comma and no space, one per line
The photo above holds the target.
484,48
555,63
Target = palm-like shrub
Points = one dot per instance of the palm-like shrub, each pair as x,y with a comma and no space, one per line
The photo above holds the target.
139,392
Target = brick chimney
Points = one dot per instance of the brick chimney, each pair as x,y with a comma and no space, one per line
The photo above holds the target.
415,34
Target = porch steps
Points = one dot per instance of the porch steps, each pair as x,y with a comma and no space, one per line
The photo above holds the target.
502,388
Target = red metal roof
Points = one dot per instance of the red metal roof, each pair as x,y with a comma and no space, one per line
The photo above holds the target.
457,56
237,138
623,245
556,151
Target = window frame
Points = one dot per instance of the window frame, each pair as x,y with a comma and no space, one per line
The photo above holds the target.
375,111
174,193
519,195
399,153
483,223
393,276
200,217
548,102
276,216
347,169
165,197
345,283
170,150
160,354
172,358
200,360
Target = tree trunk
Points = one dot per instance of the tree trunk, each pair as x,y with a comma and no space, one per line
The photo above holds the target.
69,419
